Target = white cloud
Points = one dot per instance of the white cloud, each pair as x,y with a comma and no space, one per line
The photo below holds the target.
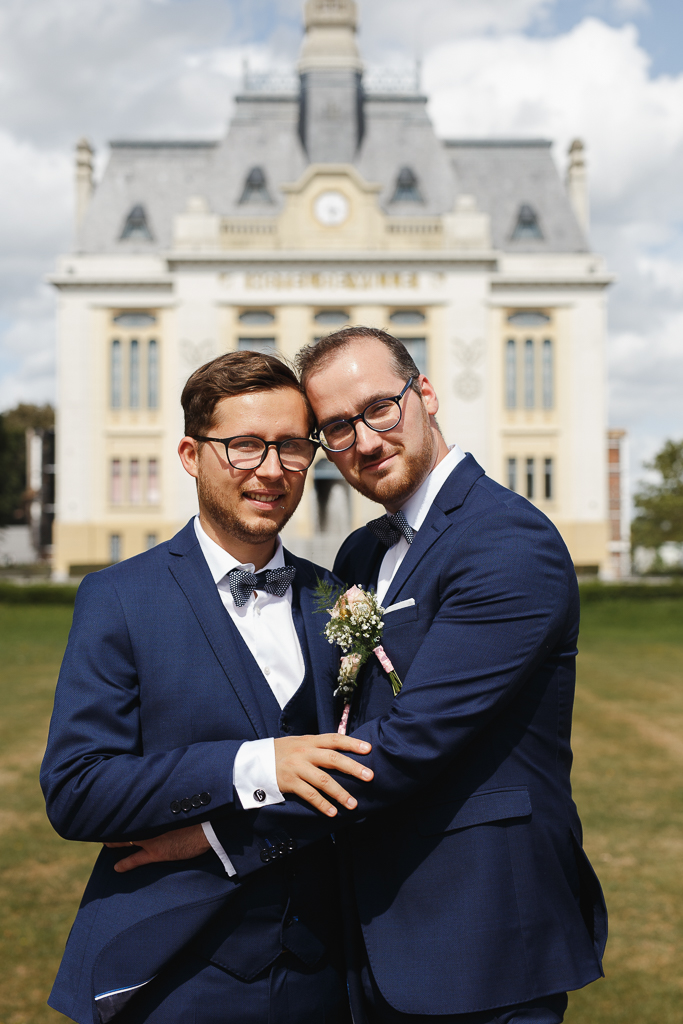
594,82
630,8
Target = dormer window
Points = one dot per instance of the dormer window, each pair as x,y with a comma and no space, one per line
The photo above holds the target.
255,187
136,226
407,189
527,225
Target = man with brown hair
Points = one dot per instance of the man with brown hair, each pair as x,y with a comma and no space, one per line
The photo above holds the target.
189,672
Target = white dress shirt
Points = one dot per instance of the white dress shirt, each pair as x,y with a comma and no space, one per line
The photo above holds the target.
415,510
266,625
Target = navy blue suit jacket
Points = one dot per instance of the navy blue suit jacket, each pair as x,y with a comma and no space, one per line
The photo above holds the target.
471,884
156,694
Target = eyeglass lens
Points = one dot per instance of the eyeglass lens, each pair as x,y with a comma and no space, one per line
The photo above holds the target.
249,452
380,416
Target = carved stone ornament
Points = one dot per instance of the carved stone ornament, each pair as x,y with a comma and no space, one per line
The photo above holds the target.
467,384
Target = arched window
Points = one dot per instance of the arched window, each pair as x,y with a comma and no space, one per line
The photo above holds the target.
136,226
547,374
255,187
511,374
407,189
527,226
529,375
116,378
153,375
134,378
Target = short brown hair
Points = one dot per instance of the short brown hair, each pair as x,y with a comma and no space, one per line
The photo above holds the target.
226,376
312,357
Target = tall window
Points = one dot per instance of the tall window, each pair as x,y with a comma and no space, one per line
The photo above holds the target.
153,375
529,375
134,379
548,474
530,478
547,374
512,474
116,394
151,541
115,547
115,482
153,492
134,488
511,374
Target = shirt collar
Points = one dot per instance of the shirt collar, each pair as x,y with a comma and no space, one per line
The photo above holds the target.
418,505
221,562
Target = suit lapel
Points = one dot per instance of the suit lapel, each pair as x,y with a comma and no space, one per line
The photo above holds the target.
450,497
188,567
319,655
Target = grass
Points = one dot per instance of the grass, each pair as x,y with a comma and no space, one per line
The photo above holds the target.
628,742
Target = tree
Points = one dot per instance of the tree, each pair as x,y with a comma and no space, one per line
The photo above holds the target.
13,426
660,505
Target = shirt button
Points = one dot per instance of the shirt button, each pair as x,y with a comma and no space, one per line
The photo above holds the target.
258,610
266,671
259,795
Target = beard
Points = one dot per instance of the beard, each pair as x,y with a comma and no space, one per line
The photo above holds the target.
228,518
392,488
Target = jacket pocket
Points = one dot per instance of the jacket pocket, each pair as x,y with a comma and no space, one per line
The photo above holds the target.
400,616
480,809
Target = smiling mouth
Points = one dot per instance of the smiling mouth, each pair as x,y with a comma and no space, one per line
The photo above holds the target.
266,501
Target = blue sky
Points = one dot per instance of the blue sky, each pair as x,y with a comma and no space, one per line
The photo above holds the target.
609,71
659,22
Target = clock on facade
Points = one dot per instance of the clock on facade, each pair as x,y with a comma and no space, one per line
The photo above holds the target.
331,208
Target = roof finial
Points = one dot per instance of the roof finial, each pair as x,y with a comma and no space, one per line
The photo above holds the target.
577,184
84,178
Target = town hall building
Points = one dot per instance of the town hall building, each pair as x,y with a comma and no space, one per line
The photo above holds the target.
330,201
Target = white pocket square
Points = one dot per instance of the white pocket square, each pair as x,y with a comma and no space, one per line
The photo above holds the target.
400,604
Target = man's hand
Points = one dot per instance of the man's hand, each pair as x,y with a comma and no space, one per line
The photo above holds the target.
183,844
300,762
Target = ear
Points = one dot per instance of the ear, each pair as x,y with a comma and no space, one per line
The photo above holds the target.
188,450
431,402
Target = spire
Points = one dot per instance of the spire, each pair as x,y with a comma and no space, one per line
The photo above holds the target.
577,184
330,40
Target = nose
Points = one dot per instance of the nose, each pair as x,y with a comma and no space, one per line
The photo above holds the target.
270,468
367,440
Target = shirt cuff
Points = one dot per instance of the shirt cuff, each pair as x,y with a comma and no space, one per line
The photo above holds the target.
218,849
254,774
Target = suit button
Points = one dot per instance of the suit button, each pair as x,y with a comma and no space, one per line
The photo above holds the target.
196,800
205,798
265,856
175,807
259,794
284,725
186,804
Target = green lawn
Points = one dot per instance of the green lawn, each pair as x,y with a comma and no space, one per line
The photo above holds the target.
628,742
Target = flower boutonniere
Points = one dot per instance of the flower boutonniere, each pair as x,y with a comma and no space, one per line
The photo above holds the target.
356,626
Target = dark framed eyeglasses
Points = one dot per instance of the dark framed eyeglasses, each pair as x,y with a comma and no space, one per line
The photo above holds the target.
382,415
243,452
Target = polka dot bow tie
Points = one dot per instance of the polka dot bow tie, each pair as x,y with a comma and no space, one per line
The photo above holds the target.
273,581
389,529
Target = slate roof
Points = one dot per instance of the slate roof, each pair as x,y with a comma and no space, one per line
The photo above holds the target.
161,176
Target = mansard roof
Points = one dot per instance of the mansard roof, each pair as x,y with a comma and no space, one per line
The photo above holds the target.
160,176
